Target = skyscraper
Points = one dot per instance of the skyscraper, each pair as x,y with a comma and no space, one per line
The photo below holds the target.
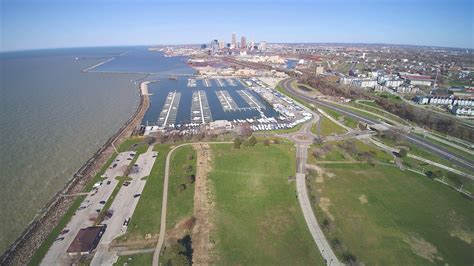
234,40
243,43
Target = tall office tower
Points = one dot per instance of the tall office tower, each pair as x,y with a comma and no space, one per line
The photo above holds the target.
243,43
221,44
234,40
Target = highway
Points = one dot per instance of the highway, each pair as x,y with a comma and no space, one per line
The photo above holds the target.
467,163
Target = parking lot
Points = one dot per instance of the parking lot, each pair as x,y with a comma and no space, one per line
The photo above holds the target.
88,211
124,206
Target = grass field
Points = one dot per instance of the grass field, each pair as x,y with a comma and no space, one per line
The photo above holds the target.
328,128
336,152
384,216
258,219
135,260
415,150
449,177
347,121
181,201
373,107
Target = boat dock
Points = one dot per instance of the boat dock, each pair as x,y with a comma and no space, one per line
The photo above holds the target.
170,110
228,104
191,82
220,82
206,82
231,82
200,110
251,100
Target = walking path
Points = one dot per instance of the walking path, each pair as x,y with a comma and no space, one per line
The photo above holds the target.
201,230
316,232
161,239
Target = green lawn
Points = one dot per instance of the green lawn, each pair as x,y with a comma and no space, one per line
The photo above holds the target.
415,150
347,121
336,152
373,107
137,259
258,218
181,201
328,128
384,216
449,177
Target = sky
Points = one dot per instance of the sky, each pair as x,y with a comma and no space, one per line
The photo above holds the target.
38,24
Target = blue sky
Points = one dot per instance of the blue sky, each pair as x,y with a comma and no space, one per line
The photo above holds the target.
34,24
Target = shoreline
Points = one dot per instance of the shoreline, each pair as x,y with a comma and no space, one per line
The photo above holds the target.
48,217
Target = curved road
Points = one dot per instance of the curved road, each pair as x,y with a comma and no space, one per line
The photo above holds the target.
467,163
164,203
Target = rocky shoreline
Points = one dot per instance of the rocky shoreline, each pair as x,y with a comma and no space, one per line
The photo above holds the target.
21,251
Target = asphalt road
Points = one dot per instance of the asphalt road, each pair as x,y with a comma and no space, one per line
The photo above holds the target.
303,138
467,163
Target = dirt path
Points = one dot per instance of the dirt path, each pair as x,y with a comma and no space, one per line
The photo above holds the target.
202,208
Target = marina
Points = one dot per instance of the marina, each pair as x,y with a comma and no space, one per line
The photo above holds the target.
228,104
231,82
200,110
220,82
251,100
170,110
207,82
191,83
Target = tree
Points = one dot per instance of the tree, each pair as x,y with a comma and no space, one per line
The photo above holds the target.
402,153
191,178
252,141
237,143
266,142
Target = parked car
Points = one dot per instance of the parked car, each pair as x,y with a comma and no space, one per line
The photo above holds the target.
65,231
108,182
102,202
125,222
137,195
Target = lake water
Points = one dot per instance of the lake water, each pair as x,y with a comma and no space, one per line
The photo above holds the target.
53,117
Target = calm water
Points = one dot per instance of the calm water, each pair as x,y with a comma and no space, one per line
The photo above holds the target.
53,117
140,60
163,86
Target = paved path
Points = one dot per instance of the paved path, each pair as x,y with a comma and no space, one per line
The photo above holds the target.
161,239
303,199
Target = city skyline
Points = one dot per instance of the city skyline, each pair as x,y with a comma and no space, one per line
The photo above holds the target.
37,24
